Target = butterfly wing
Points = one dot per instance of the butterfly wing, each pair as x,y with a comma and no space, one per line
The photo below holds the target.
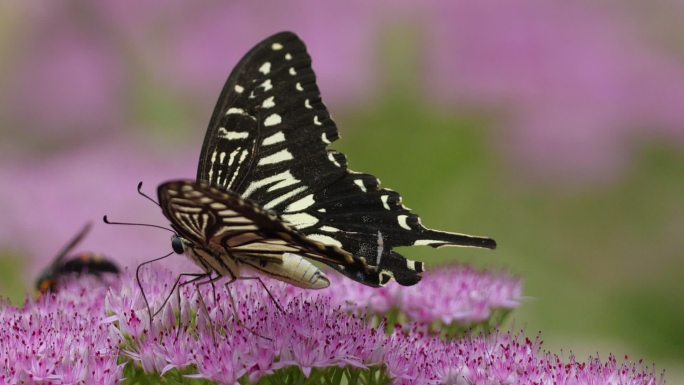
267,140
230,226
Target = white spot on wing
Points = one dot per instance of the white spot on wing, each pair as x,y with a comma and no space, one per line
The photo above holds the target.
331,156
244,155
325,239
266,85
239,111
288,56
299,87
268,102
278,181
234,110
276,46
300,220
232,156
359,183
211,169
322,210
292,71
284,197
217,205
325,139
280,156
272,120
307,104
316,121
384,198
301,204
426,242
402,221
232,135
239,89
273,139
411,264
381,247
330,229
265,68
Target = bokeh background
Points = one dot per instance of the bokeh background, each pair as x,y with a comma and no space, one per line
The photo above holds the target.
556,128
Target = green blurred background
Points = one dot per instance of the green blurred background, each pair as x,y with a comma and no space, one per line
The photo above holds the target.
555,129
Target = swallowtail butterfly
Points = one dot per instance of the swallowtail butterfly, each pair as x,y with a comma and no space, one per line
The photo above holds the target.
82,263
270,194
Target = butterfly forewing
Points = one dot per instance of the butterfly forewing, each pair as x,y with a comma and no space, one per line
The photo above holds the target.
228,228
268,133
267,140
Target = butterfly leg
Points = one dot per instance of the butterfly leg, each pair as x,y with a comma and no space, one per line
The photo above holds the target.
177,287
177,284
234,307
204,305
201,297
137,278
268,291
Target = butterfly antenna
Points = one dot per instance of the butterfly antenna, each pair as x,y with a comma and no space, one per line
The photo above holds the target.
145,195
107,221
73,242
137,278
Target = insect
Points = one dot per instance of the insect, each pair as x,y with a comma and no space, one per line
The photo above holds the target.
81,263
270,195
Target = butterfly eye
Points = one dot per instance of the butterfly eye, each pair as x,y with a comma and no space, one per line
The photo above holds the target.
178,245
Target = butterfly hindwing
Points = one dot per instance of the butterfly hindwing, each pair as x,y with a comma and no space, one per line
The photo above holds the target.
268,141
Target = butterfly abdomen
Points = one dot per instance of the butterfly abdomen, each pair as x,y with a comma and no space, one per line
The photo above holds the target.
294,269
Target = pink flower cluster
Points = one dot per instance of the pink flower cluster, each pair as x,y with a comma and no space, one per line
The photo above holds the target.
60,339
502,358
228,333
254,339
458,294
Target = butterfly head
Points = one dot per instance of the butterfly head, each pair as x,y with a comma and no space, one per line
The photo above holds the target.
179,244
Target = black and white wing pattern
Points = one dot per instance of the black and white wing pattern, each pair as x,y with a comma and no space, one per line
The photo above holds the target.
226,230
268,141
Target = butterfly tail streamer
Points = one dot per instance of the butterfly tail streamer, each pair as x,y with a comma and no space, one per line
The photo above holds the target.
438,239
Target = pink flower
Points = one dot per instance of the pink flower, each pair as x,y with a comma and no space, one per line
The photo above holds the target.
458,295
68,337
60,338
81,186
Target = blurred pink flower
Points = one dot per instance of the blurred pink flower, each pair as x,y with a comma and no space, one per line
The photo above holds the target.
207,47
50,198
64,81
576,82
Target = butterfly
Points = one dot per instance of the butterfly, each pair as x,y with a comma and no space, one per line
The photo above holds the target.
270,195
82,263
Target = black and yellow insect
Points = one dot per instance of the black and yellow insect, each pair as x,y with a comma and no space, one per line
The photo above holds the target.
65,265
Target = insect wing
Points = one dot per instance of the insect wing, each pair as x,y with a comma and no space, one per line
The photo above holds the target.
231,226
267,140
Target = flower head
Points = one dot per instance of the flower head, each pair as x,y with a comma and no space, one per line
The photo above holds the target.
60,338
